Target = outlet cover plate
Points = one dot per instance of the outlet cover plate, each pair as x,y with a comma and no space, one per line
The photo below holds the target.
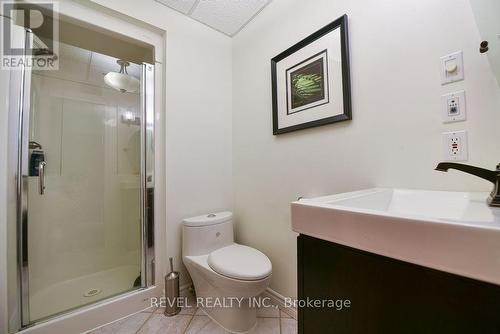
453,107
455,146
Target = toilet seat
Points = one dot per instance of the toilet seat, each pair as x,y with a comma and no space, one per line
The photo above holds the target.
240,262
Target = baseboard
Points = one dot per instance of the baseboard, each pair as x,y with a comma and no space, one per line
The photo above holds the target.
279,300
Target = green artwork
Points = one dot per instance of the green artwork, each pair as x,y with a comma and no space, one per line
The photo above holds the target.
307,84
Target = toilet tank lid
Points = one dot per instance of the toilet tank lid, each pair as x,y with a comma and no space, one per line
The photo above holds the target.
208,219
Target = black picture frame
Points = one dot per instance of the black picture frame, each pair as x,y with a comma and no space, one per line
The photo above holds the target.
340,23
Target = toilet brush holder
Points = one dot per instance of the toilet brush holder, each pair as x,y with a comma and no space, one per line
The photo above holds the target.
172,292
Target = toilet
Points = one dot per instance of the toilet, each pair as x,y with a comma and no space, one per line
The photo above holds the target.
226,275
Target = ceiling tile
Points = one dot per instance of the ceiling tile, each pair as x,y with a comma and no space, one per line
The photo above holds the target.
227,16
183,6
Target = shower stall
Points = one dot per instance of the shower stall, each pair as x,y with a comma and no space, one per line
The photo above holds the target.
80,175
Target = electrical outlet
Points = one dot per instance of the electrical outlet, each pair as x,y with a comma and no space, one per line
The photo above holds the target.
453,107
455,146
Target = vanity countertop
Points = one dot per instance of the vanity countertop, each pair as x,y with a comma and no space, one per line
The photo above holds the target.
456,232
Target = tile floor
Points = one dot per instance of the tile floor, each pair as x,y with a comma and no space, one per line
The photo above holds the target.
192,320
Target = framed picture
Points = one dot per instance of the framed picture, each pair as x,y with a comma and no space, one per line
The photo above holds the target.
311,82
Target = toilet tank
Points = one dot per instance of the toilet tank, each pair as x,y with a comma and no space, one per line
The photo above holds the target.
204,234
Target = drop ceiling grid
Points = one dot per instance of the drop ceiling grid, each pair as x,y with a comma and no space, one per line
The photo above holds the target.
226,16
183,6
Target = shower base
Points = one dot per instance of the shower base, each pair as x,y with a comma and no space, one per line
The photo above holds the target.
70,294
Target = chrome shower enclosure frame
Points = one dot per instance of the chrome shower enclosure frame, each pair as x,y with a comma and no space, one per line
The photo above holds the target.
19,109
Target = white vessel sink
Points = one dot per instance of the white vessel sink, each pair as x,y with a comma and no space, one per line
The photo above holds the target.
455,232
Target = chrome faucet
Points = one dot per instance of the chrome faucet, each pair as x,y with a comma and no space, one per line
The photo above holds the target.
491,175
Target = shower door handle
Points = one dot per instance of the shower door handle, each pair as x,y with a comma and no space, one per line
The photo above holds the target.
41,176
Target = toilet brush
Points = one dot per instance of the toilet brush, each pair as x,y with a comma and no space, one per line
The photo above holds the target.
172,291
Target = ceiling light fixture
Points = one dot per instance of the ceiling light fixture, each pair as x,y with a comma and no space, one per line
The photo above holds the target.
122,81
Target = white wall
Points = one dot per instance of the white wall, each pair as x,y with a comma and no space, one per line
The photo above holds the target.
394,139
487,14
198,97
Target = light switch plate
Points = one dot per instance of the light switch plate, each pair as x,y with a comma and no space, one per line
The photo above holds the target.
453,107
452,68
455,146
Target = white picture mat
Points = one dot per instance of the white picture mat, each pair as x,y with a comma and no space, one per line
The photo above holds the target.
332,43
325,83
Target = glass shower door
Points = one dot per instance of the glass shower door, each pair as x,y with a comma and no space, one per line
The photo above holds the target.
84,184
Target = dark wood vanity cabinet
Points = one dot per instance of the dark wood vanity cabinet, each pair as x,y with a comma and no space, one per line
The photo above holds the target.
388,296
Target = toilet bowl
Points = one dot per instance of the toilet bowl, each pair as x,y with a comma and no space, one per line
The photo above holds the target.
227,276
